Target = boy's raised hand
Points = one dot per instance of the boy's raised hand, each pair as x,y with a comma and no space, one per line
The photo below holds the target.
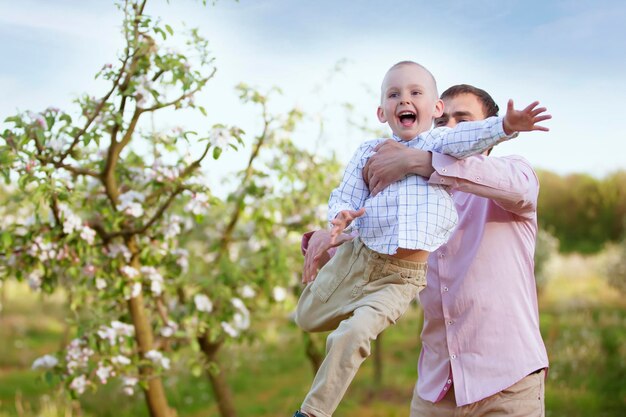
524,120
343,220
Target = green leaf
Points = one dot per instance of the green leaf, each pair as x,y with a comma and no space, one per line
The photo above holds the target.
217,152
15,119
169,29
7,240
160,32
202,110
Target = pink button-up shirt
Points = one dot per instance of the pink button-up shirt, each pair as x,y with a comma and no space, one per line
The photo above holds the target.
481,322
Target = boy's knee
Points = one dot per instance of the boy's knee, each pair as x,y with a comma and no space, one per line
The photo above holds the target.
354,334
305,317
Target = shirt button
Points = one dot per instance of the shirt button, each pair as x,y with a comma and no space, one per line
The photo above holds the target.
453,356
445,388
441,255
442,180
450,322
444,170
445,289
477,178
449,381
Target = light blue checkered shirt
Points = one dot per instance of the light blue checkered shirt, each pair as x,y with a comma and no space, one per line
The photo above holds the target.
411,213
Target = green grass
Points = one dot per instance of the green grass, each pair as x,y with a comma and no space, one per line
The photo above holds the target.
582,320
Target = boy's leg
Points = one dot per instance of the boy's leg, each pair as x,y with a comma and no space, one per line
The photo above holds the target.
346,348
327,301
383,295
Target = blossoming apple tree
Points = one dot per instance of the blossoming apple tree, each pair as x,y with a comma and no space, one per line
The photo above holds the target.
116,214
100,186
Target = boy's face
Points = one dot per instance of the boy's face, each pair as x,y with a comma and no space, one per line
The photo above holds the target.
409,101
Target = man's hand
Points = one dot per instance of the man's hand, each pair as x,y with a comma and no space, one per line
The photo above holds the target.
343,220
317,253
524,120
392,162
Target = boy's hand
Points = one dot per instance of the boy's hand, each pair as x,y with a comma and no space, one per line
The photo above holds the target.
524,120
343,220
317,254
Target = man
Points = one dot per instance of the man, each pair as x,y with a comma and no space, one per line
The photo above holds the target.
482,352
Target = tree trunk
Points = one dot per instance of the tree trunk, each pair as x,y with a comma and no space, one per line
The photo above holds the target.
155,393
217,377
378,360
312,352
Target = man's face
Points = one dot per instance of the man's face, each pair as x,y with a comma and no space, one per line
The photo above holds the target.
461,108
409,102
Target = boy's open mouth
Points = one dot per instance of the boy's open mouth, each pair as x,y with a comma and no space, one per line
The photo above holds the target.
407,118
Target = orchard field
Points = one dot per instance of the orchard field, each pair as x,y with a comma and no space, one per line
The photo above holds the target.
583,322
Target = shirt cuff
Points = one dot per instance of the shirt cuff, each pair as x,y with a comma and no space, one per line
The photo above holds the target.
446,169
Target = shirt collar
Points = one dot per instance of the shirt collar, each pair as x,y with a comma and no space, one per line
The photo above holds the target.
406,142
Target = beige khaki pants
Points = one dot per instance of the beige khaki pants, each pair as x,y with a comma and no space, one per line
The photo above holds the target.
359,293
523,399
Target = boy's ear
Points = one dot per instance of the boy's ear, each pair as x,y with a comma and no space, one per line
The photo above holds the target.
381,115
438,109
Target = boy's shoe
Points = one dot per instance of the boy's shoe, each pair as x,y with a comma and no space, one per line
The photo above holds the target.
299,414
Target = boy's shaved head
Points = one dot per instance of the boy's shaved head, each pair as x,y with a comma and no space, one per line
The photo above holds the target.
407,63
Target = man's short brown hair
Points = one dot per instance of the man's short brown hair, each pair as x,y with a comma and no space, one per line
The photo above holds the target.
489,105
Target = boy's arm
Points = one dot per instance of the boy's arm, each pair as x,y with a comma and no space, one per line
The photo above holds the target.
509,181
469,138
352,191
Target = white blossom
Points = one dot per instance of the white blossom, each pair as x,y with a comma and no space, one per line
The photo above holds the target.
129,383
279,294
203,303
122,328
129,271
247,292
254,245
116,249
198,204
219,137
168,331
71,222
130,203
104,373
77,356
135,290
156,279
88,234
101,283
107,333
241,319
34,279
45,362
157,358
229,329
172,227
183,258
120,360
56,144
79,384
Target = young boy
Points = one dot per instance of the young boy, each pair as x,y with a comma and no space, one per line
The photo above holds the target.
371,280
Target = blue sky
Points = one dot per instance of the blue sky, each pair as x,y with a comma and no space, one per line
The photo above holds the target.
569,54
